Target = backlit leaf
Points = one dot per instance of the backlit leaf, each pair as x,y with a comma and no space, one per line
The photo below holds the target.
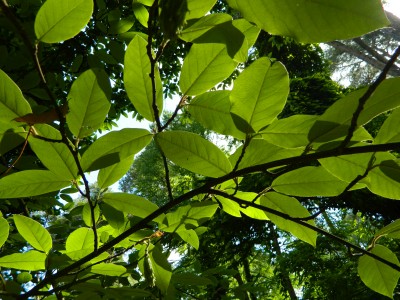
162,269
194,153
80,239
141,13
29,261
34,233
87,215
389,131
4,231
197,9
57,21
109,175
392,230
108,269
189,236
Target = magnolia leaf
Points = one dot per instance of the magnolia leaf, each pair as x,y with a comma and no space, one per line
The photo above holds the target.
114,147
108,269
194,153
376,275
306,21
30,183
141,13
309,182
4,231
389,131
392,230
230,207
59,21
212,110
197,9
137,81
189,236
29,261
203,25
114,217
161,268
12,102
88,102
132,204
251,33
55,156
293,208
34,233
80,243
11,138
190,279
87,215
109,175
205,66
260,92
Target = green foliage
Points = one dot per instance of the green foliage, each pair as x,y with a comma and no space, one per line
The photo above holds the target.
289,132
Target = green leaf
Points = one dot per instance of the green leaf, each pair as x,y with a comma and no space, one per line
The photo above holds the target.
87,216
114,147
108,269
197,9
291,132
132,204
29,261
260,152
30,183
251,33
190,279
79,243
260,92
11,138
161,268
384,178
88,102
293,208
335,121
109,175
392,230
230,207
59,21
205,66
194,153
4,231
309,182
24,277
212,110
376,275
114,217
249,211
55,156
389,131
202,25
309,21
12,102
34,233
141,13
137,80
189,236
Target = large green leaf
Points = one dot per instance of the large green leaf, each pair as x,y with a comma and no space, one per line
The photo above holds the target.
12,102
260,151
4,231
392,230
197,9
30,183
335,121
390,130
11,138
293,208
108,269
251,33
34,233
384,178
137,80
314,21
194,153
132,204
87,214
249,211
161,268
57,21
205,66
141,13
202,25
189,236
260,92
88,102
80,243
309,182
55,156
114,147
212,110
109,175
376,275
29,261
290,132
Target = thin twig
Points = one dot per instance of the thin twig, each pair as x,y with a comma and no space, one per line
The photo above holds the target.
167,179
175,113
20,154
367,95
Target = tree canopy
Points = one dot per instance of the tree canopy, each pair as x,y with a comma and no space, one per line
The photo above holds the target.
269,179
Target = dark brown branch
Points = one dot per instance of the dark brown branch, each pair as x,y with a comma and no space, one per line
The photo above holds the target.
167,179
175,113
367,95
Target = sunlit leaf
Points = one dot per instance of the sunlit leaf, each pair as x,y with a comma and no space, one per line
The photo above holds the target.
189,236
389,131
376,275
29,261
307,21
259,93
88,102
30,183
4,231
87,215
79,243
162,269
194,153
108,269
197,9
109,175
141,13
34,233
59,21
392,230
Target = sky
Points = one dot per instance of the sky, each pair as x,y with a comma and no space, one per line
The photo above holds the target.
391,5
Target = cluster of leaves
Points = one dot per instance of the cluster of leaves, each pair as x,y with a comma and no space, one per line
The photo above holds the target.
311,155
